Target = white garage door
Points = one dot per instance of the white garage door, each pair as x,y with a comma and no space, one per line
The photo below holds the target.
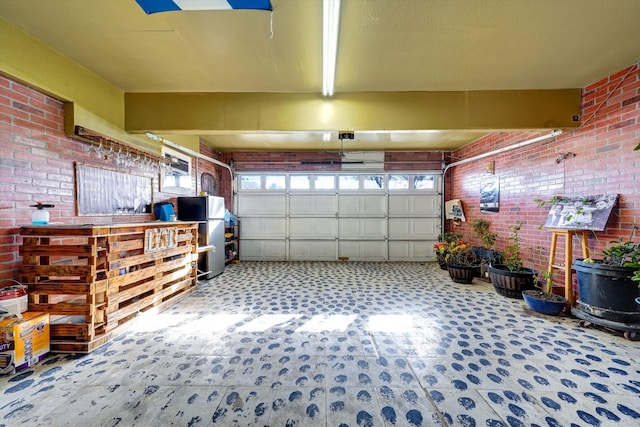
350,216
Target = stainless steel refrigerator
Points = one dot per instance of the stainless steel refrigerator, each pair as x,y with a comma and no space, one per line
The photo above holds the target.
208,211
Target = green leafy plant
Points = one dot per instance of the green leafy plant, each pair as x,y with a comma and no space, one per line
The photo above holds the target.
512,252
538,254
481,230
449,237
621,253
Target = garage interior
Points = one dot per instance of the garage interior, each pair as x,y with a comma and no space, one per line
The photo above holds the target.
336,313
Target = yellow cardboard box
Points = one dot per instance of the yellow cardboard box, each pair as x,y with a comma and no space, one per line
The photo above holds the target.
24,341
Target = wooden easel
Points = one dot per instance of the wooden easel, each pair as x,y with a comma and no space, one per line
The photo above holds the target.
568,257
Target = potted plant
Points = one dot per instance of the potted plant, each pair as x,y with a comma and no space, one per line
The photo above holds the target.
442,247
511,278
461,262
486,254
607,287
543,299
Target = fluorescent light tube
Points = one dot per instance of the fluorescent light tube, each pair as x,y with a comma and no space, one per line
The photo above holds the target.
330,27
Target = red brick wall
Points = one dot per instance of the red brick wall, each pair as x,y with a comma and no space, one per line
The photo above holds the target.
604,162
295,161
220,173
285,161
37,164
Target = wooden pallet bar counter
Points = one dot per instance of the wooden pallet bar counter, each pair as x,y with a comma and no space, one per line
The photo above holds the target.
93,279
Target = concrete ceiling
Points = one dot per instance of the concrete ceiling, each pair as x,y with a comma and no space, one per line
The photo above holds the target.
384,46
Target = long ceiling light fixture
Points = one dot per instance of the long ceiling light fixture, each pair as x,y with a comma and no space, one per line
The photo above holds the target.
330,27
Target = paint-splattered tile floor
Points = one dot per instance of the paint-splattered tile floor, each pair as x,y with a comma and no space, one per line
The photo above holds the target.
338,344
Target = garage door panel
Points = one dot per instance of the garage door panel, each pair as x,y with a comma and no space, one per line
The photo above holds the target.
263,250
362,228
255,228
415,228
317,250
370,205
363,251
410,250
408,204
313,205
263,204
313,227
399,223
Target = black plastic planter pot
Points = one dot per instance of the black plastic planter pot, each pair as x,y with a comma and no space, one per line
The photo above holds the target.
511,283
461,274
490,256
442,262
607,291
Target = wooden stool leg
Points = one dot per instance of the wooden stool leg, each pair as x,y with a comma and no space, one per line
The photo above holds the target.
552,257
583,243
568,260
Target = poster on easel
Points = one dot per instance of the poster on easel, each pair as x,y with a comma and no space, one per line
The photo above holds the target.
581,212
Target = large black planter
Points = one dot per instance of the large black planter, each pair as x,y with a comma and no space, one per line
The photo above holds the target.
607,291
511,283
461,273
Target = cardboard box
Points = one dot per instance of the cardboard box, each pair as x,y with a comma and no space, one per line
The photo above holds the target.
24,341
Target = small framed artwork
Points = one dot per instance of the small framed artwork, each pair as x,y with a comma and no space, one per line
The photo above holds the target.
489,193
176,176
453,210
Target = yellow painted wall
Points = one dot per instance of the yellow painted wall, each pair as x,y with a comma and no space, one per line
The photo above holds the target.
91,102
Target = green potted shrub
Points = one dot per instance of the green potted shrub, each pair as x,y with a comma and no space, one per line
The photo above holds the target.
607,287
486,254
461,262
511,277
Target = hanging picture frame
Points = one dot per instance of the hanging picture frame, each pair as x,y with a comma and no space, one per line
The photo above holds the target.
175,176
489,193
208,184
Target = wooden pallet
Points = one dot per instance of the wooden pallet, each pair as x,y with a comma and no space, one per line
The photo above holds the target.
93,280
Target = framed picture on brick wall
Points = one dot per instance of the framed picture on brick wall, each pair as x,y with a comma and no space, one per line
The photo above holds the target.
489,193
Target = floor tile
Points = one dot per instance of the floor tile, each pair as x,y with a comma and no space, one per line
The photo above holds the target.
338,344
